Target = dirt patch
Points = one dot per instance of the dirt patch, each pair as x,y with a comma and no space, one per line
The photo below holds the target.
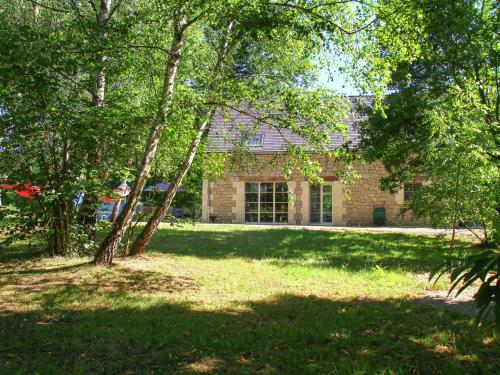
145,281
205,365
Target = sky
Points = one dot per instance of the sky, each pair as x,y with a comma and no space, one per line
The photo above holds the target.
337,81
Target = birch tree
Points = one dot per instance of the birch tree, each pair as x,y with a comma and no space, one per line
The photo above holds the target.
277,35
109,245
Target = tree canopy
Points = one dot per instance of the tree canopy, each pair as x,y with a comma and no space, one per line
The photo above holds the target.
440,120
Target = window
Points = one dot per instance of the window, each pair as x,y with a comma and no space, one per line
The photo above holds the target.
255,140
410,189
321,204
266,202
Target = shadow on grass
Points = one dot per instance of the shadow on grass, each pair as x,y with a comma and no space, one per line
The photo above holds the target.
286,335
53,291
40,271
351,250
20,251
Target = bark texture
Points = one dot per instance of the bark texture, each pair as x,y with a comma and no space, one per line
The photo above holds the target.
149,230
144,238
60,226
91,200
116,209
109,245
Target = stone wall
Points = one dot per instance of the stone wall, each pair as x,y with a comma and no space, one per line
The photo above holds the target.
365,195
223,199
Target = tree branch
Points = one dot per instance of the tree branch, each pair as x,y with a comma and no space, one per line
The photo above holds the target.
92,5
74,5
475,234
311,11
118,3
49,7
333,3
194,19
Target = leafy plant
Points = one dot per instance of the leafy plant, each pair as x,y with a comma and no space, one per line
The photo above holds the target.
464,272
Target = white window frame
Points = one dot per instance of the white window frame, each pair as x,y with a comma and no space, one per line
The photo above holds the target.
258,203
411,191
321,222
256,140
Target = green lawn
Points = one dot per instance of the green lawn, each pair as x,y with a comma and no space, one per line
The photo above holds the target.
238,300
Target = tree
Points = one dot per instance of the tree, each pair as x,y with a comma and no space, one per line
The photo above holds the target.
441,120
91,89
271,61
203,120
50,110
102,15
109,246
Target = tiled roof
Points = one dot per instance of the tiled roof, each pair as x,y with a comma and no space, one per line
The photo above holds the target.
225,133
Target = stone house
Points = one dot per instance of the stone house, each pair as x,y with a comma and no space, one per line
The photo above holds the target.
258,192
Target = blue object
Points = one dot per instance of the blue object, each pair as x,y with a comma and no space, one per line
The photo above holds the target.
105,209
79,199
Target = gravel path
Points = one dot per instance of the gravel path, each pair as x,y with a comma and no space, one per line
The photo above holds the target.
405,230
463,304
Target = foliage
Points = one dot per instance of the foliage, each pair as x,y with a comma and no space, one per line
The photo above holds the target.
19,224
440,123
81,85
48,118
257,58
465,272
434,140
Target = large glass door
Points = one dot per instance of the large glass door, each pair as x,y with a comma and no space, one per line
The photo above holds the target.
321,203
266,202
327,204
315,204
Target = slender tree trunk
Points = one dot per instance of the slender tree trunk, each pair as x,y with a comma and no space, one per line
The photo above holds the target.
456,209
144,238
91,200
60,240
116,210
109,245
36,13
452,241
60,236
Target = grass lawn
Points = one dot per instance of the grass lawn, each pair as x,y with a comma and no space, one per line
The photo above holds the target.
238,300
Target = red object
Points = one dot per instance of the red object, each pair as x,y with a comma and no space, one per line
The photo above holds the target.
120,192
25,191
123,190
33,191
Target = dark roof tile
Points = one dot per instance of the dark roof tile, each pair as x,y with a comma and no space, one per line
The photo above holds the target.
224,134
